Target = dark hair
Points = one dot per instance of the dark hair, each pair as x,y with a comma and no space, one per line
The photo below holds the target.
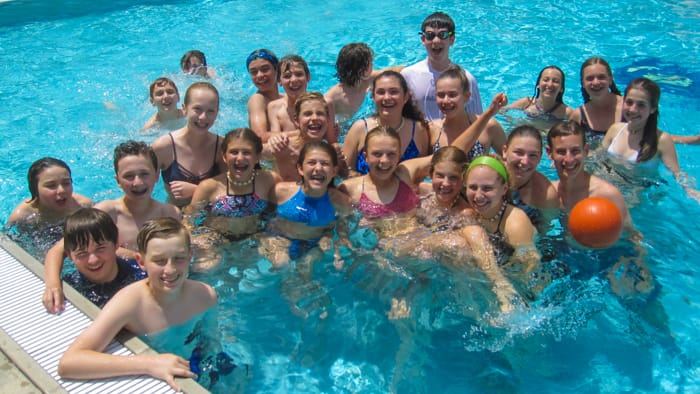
87,224
244,134
565,128
134,148
650,135
160,82
163,227
525,131
450,154
560,96
36,169
288,61
200,85
309,96
456,72
597,60
353,60
410,109
381,131
265,54
438,20
185,60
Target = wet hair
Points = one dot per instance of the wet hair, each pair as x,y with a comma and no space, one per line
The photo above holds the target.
87,224
322,146
353,60
381,131
560,96
438,20
525,131
265,54
134,148
163,227
456,72
288,61
309,96
159,83
450,154
410,109
36,169
185,60
565,128
244,134
650,135
597,60
200,85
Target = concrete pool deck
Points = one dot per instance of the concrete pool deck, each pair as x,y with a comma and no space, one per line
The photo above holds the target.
29,352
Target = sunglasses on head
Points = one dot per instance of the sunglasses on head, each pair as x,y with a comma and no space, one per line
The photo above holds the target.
443,35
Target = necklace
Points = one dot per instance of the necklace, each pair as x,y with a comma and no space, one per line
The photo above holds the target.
244,183
452,204
379,121
496,216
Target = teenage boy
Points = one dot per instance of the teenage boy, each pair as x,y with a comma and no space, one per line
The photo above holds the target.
437,35
166,298
90,240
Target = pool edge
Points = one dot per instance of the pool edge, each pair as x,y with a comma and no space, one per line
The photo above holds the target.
30,368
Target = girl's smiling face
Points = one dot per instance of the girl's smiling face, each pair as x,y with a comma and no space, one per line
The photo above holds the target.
382,155
485,190
241,158
317,170
447,181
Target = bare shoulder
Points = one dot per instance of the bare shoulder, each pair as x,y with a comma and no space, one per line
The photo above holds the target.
340,198
82,200
21,212
521,103
257,101
111,207
201,293
576,114
352,187
169,210
276,105
334,93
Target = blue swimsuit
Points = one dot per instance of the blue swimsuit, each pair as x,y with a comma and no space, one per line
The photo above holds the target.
531,212
411,151
312,211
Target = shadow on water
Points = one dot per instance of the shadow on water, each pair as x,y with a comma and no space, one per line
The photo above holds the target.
671,77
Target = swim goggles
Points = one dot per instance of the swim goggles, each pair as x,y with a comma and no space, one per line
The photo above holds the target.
262,54
430,35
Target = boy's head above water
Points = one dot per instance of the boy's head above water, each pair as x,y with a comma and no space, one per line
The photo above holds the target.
90,240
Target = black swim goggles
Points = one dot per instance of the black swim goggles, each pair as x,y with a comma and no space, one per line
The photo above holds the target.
430,35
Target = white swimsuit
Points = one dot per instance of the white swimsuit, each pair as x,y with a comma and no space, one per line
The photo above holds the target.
632,158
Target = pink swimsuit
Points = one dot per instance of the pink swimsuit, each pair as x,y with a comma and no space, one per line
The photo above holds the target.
404,201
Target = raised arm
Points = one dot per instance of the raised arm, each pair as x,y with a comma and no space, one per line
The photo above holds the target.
468,137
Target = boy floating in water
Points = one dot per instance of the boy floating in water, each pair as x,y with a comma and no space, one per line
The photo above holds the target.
163,95
166,298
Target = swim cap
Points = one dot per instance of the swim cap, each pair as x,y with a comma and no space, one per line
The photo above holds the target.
262,54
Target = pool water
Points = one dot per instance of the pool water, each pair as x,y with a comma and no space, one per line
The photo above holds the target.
74,81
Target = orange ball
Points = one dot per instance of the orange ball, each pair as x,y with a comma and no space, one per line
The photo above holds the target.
595,222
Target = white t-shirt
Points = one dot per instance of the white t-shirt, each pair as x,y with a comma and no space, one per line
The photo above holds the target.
421,80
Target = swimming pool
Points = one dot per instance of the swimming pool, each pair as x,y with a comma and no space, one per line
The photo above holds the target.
59,65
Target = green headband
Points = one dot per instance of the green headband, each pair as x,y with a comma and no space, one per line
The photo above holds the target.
489,162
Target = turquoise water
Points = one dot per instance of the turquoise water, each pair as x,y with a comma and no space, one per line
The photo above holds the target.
60,62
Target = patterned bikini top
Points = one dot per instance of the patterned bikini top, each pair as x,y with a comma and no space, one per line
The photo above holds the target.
239,206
